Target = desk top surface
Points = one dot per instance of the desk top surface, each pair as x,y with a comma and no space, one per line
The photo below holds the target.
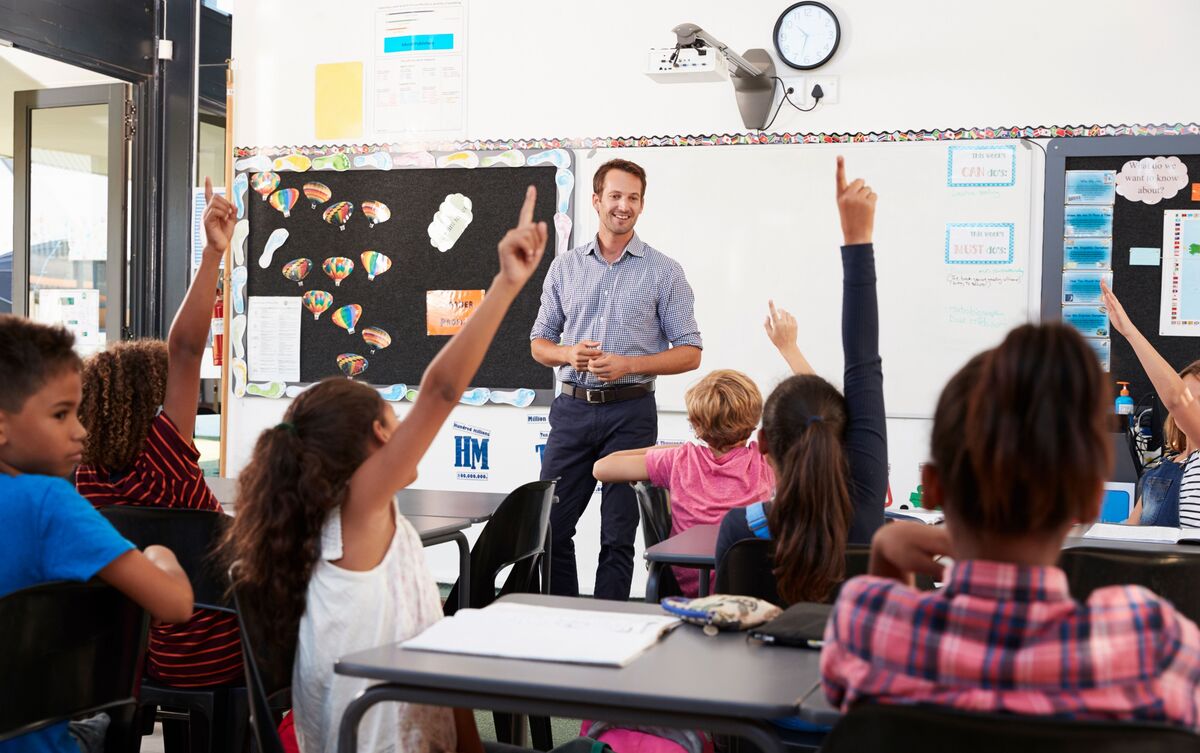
430,527
697,547
687,672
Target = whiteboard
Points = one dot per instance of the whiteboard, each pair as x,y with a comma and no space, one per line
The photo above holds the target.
749,223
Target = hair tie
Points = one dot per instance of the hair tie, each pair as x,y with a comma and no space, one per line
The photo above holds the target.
288,427
813,420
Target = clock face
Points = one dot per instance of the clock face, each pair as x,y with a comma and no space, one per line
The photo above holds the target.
807,35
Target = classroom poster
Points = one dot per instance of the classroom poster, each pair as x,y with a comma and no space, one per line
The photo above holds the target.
446,311
1084,286
1087,221
979,243
981,166
420,74
1103,350
1151,180
1087,253
273,338
1091,187
1089,320
1179,302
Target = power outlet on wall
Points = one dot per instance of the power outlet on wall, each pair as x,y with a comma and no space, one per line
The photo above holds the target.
828,84
800,89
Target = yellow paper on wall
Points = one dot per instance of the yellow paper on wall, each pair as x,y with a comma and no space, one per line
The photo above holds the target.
339,101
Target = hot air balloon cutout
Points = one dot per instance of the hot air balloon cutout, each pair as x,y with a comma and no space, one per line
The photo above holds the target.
375,263
338,214
317,193
317,301
297,269
377,338
377,212
284,200
351,364
265,183
347,316
338,268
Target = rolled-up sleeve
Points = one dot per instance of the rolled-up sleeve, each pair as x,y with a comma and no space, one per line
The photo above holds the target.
677,310
550,319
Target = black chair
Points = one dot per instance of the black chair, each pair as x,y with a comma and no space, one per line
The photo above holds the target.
270,691
515,535
1171,575
70,649
216,717
654,506
927,729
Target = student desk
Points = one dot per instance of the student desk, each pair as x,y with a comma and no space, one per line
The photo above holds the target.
696,547
476,507
722,683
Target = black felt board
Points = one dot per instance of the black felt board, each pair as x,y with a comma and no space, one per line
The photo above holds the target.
395,300
1136,224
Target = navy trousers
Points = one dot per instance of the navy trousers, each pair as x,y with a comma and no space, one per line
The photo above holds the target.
580,434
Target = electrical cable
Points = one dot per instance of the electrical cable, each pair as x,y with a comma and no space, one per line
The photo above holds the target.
785,98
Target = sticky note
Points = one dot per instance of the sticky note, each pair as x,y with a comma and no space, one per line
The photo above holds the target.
1196,192
1143,257
339,101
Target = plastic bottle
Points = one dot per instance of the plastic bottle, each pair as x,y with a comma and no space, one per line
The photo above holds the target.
1124,404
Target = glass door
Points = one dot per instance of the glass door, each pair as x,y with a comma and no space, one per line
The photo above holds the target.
70,165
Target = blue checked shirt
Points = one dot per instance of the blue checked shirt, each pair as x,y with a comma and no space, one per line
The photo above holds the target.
638,306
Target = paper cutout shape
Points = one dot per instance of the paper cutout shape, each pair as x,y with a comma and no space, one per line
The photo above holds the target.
347,316
459,159
297,269
318,302
377,160
565,181
294,390
1150,180
284,200
338,214
375,264
338,161
1144,257
241,230
241,185
338,268
510,158
351,364
562,231
259,163
277,238
237,279
239,377
446,311
264,184
376,212
521,398
237,330
273,390
377,338
393,394
414,159
450,221
557,157
295,162
477,396
411,396
338,101
317,193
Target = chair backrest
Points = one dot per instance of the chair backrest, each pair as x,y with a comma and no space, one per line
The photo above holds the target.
749,565
1171,575
191,534
69,649
514,535
654,506
261,684
925,729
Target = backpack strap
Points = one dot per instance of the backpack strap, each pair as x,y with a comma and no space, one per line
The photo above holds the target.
756,518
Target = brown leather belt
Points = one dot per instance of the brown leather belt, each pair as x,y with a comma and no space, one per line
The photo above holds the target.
601,395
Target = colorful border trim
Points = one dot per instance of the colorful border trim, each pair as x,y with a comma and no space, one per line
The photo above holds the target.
756,137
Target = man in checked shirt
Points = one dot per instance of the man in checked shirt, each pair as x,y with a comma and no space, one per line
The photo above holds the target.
615,313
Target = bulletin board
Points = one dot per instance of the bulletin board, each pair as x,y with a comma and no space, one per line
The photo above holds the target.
363,263
1141,257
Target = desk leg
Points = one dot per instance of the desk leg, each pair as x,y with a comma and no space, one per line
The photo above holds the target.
705,575
652,579
348,729
464,571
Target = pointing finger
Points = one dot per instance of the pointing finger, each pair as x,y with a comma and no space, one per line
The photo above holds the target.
526,215
208,191
841,174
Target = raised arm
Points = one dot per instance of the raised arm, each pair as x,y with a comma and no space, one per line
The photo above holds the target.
866,427
189,331
450,373
782,330
1172,390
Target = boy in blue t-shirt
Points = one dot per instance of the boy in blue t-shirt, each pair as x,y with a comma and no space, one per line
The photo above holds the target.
49,532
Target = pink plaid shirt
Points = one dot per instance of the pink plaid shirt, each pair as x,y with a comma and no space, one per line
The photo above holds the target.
1001,637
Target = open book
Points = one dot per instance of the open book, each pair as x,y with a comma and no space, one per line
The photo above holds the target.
1150,534
917,514
523,631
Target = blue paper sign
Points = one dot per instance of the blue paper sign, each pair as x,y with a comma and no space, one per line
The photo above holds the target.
1143,257
1087,253
1090,320
1091,187
980,166
1087,221
1103,351
1084,287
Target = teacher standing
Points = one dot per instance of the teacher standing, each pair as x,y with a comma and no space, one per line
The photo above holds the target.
615,313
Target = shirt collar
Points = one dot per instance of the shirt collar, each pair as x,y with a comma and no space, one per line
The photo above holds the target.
635,247
1005,581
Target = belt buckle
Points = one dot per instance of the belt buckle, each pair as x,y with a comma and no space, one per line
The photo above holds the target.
589,393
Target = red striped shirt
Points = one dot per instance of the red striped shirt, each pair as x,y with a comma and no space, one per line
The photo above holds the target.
207,649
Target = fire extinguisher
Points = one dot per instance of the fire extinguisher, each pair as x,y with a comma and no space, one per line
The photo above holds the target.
218,330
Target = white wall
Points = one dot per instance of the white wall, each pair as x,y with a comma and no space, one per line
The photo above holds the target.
547,68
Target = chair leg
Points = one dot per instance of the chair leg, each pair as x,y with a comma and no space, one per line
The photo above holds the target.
541,733
652,583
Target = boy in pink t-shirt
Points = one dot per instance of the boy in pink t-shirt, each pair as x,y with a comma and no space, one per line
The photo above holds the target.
724,409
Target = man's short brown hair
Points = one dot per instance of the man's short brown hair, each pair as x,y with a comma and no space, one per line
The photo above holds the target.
32,354
724,408
624,166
